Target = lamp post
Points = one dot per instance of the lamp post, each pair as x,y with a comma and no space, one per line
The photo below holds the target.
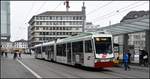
110,26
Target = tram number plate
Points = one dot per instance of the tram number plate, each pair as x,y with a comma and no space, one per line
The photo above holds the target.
104,60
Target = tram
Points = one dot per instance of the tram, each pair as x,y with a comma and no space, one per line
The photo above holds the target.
86,49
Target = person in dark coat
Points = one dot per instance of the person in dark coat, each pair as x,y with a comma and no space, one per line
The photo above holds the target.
129,59
19,55
142,54
15,55
145,58
126,60
2,53
5,54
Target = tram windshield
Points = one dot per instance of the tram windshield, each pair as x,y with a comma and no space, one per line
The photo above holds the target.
103,45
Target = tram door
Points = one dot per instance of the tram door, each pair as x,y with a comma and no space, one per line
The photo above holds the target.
88,55
51,52
48,53
68,52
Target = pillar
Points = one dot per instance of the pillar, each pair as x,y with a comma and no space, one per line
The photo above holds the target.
147,41
125,42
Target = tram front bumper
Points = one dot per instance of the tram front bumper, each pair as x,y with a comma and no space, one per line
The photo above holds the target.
103,64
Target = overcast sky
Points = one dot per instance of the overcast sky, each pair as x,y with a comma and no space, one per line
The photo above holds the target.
97,12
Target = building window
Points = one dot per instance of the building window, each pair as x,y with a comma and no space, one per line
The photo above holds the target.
37,28
40,23
60,28
60,17
77,28
37,23
50,18
47,18
80,17
46,28
73,17
43,28
40,17
43,18
37,18
47,33
40,39
50,28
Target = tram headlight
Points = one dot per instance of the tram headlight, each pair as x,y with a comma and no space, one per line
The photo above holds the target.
95,60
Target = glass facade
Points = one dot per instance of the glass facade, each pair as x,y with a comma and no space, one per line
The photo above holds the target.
5,20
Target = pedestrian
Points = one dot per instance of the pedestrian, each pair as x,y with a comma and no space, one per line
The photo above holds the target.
129,58
15,54
145,58
19,54
141,57
5,54
2,53
126,60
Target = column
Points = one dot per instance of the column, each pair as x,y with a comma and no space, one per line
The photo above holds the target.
125,42
147,41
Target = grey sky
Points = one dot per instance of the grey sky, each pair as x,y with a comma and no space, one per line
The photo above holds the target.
97,12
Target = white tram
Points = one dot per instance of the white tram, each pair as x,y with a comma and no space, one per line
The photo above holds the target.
87,49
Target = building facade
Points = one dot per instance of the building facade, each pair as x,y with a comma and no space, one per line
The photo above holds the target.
5,20
20,45
137,40
52,25
7,46
89,27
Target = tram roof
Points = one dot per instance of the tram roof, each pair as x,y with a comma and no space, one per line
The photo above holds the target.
48,43
37,45
81,36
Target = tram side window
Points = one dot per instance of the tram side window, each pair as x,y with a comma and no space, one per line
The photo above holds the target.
46,50
58,50
64,50
43,49
61,50
39,50
77,46
51,49
88,46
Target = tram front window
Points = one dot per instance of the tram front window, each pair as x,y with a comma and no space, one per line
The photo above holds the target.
103,45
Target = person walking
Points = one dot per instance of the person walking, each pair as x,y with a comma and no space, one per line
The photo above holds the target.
142,57
6,54
15,55
19,55
145,58
129,58
126,60
2,53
